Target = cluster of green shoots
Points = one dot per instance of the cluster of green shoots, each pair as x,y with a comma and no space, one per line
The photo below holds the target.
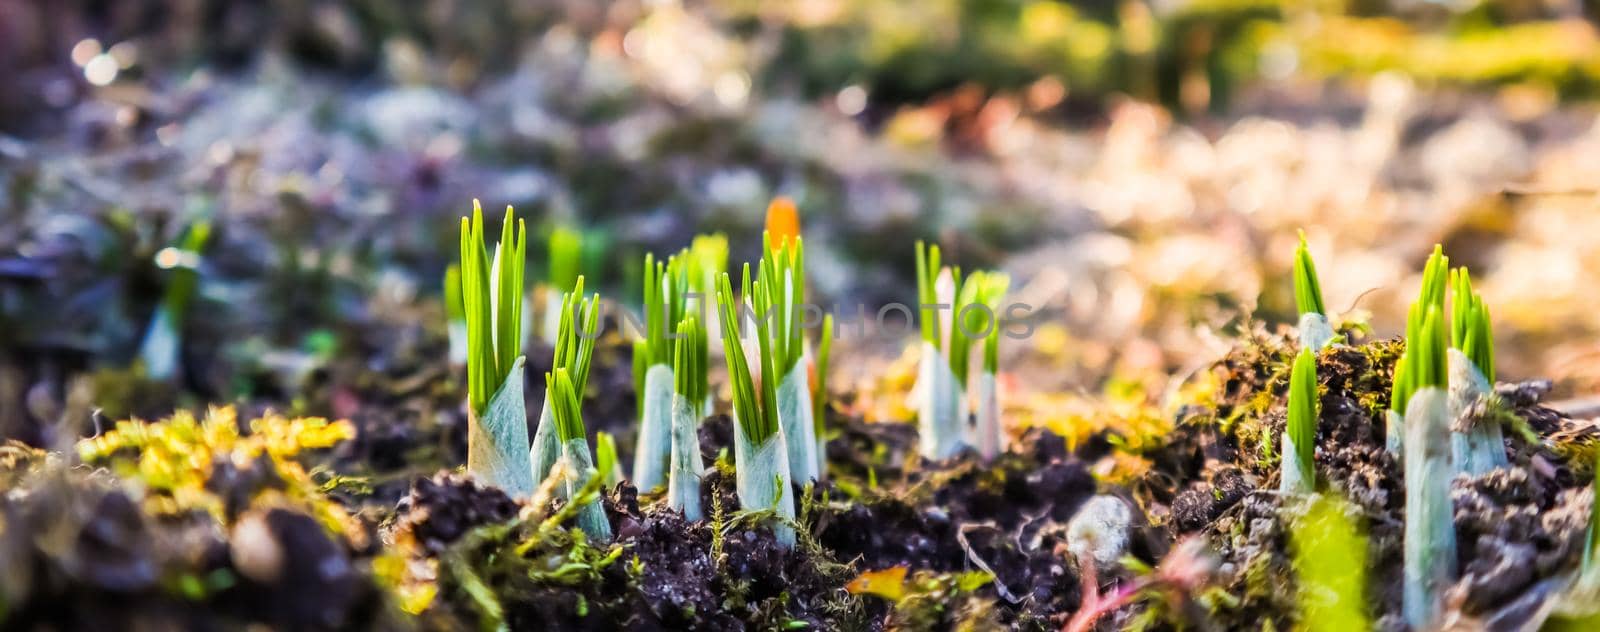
491,304
492,301
666,284
491,298
944,378
1447,365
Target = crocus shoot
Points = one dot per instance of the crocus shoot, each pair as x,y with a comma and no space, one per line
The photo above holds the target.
688,397
777,298
575,451
497,433
665,283
576,334
980,317
1430,536
1298,473
1478,445
1315,330
1430,295
762,462
941,411
160,349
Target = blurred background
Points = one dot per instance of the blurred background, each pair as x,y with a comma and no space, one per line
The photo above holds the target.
1140,167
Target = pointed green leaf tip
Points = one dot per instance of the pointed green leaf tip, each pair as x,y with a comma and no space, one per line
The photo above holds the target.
1430,299
665,283
756,412
491,293
1431,369
576,335
1307,290
565,407
689,362
780,290
1469,324
1424,363
1303,408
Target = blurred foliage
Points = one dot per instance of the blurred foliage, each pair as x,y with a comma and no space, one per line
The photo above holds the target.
1191,53
177,459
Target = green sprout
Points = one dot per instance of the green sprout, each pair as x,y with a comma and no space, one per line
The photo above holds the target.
996,291
980,318
491,298
946,356
762,475
1298,473
777,296
565,405
159,351
568,413
1431,296
665,284
1479,446
1429,541
690,388
1315,331
576,335
1469,324
689,363
1307,291
782,281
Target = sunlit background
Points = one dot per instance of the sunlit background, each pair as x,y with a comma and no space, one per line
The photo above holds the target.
1139,167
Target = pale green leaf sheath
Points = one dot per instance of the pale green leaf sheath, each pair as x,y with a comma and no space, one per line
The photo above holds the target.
665,284
778,295
688,397
1478,446
579,463
985,323
941,406
497,436
762,468
1430,545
